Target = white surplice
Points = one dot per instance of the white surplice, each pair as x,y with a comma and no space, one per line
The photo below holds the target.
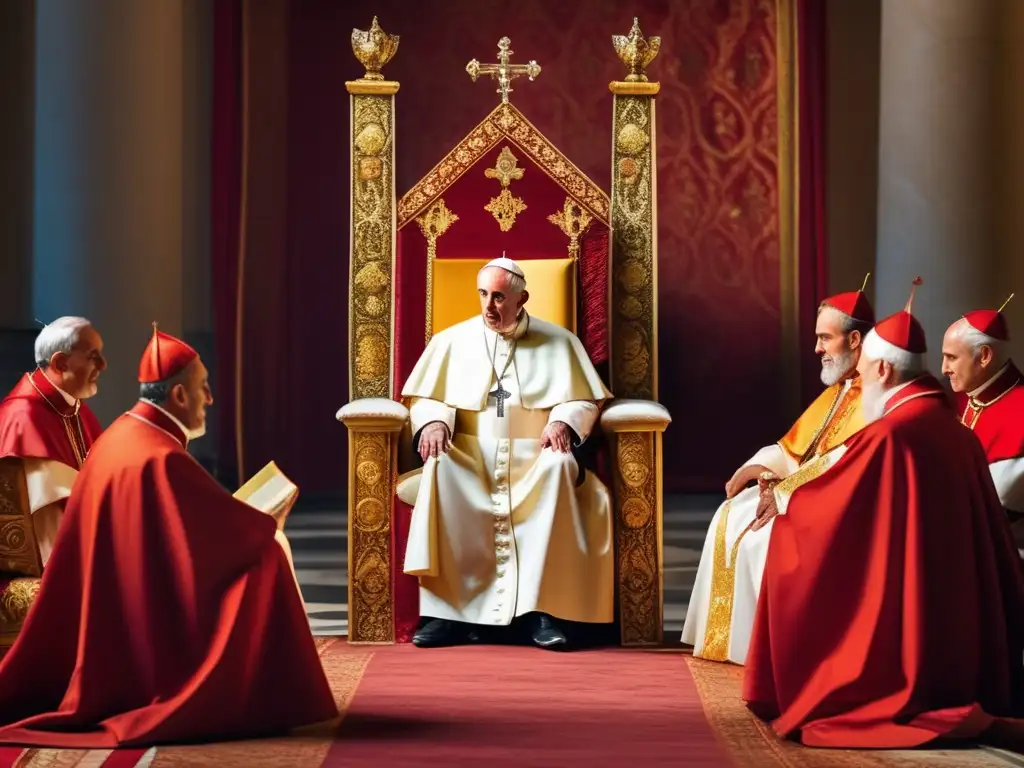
500,527
1008,477
728,581
49,484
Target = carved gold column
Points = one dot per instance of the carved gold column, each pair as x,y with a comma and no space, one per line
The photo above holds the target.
373,426
634,342
372,418
372,237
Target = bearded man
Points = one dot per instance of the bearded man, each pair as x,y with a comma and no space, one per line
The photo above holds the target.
989,395
45,422
721,610
892,610
504,523
168,612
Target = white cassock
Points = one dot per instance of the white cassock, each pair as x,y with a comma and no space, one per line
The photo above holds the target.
1007,473
720,614
1008,476
49,484
500,527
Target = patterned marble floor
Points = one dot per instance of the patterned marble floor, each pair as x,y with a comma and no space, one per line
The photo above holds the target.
318,535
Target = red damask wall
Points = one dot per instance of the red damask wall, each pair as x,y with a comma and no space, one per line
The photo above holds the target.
718,192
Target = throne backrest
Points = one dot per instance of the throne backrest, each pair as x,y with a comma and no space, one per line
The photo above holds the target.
552,285
503,189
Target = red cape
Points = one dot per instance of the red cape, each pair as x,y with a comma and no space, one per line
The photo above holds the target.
893,597
30,427
167,611
1000,425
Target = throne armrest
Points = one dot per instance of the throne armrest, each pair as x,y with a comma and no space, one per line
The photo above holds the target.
373,414
635,416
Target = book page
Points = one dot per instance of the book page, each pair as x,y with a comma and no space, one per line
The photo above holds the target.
268,490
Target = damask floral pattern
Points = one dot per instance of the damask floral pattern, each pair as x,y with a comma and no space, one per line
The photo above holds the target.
717,162
718,182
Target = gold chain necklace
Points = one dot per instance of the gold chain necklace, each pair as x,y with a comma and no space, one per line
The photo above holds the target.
80,453
976,407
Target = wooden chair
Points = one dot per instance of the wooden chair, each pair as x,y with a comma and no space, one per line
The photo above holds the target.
20,564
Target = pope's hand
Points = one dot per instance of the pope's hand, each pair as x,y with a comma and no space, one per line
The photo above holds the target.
556,437
743,477
766,509
433,440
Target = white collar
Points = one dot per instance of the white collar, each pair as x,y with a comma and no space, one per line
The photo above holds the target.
174,420
522,326
890,394
985,386
67,398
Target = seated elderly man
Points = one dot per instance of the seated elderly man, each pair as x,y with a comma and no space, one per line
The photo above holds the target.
989,392
504,523
44,421
721,610
892,610
169,611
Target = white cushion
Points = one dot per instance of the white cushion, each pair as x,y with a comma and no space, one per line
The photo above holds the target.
635,416
374,412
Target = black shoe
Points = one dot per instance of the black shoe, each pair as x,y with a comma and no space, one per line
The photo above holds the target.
438,633
547,634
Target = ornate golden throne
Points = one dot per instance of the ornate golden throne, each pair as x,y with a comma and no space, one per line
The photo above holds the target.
20,564
591,266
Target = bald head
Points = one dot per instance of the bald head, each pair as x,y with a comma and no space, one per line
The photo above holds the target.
970,357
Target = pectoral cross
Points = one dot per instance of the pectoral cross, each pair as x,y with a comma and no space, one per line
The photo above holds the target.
500,395
503,72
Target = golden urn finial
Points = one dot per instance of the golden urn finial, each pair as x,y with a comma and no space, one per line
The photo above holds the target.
636,52
374,48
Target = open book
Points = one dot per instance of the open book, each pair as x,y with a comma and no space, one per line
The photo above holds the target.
270,491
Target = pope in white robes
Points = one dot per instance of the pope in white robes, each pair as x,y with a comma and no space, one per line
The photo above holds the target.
504,523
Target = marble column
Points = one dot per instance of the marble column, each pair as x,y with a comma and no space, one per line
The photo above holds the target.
937,171
108,175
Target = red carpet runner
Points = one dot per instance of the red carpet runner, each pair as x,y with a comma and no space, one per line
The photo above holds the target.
518,706
509,706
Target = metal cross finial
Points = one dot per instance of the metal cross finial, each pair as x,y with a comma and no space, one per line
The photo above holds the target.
503,71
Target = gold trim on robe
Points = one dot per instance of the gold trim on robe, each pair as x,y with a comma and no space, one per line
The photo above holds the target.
833,418
829,421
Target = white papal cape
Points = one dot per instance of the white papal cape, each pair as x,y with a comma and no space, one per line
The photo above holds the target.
499,526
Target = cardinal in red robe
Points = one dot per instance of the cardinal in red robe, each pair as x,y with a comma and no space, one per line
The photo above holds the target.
989,392
892,609
168,611
45,422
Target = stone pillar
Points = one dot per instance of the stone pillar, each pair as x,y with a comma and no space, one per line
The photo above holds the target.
937,190
108,167
1010,157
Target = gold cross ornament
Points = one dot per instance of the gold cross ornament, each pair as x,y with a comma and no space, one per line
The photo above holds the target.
503,71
